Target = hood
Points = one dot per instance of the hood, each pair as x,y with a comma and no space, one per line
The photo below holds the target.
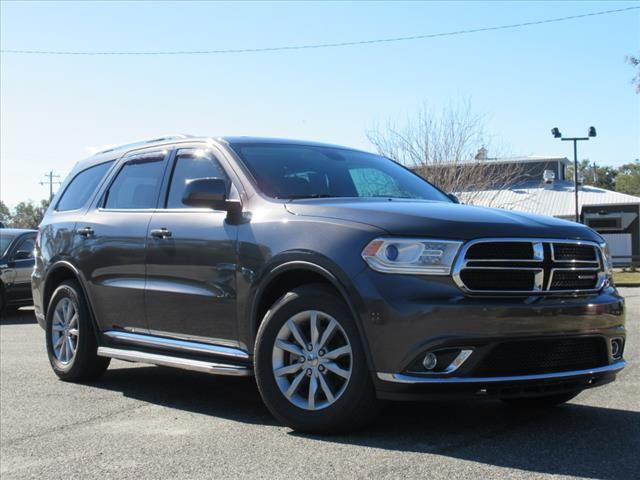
441,220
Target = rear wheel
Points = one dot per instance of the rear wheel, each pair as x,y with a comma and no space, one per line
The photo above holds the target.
71,341
541,402
310,365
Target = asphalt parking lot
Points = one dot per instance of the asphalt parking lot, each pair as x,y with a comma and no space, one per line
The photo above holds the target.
151,422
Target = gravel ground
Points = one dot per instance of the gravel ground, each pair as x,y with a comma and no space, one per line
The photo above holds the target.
150,422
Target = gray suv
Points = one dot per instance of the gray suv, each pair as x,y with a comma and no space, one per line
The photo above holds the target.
336,277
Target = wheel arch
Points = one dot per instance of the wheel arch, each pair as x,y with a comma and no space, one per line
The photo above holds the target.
58,273
296,273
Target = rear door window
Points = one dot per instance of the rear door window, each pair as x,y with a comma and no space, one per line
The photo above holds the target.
82,187
137,184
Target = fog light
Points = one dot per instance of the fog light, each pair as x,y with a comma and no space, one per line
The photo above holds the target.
430,361
616,348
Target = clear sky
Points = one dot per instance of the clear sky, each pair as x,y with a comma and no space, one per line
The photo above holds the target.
55,109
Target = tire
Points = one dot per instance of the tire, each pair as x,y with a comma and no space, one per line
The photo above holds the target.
3,302
354,404
6,310
545,401
83,363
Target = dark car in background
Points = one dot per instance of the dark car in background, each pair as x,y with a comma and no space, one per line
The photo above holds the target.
336,277
16,265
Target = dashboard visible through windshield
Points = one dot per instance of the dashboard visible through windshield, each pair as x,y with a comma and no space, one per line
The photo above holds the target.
290,171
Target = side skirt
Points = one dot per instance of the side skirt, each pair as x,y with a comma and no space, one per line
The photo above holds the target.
176,362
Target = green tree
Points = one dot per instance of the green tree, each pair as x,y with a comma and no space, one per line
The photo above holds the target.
5,214
28,214
594,175
628,180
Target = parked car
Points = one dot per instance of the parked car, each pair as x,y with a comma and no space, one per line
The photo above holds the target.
335,276
16,265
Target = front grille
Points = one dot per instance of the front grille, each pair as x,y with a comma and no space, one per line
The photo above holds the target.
571,252
483,279
528,266
530,357
499,250
572,279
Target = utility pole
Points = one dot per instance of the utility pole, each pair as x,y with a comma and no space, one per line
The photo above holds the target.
50,181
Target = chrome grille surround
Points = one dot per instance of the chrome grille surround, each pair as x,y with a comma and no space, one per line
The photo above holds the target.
543,264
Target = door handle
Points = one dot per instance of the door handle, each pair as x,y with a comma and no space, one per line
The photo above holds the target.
161,233
86,232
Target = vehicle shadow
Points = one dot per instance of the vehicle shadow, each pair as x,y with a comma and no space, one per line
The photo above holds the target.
575,440
233,398
24,316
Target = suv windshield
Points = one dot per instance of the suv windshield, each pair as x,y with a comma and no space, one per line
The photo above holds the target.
308,171
5,241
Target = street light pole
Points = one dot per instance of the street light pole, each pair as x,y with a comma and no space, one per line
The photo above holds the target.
592,133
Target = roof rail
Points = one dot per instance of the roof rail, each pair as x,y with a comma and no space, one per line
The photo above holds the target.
164,138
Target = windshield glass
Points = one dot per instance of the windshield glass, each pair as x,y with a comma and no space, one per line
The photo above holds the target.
5,241
307,171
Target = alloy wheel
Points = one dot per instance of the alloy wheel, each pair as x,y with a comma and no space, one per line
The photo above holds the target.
64,331
312,360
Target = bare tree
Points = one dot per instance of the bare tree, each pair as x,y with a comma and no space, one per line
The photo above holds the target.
447,147
634,61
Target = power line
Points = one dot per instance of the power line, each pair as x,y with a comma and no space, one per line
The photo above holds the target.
326,45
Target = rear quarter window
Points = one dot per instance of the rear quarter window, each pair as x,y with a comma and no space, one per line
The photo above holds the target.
82,186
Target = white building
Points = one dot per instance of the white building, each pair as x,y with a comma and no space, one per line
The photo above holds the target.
544,189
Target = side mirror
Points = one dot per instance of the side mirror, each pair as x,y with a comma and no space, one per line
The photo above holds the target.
22,255
209,193
453,198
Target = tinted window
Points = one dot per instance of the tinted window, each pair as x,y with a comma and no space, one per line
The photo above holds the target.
308,171
5,242
82,187
137,183
191,164
28,244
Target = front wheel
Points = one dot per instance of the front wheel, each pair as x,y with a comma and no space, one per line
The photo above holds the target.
542,401
71,341
310,365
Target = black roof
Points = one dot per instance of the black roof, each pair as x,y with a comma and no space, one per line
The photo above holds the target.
15,231
235,140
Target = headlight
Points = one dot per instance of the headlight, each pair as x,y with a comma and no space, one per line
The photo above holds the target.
607,259
411,255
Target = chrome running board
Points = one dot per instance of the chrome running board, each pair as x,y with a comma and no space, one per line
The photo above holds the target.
175,362
164,343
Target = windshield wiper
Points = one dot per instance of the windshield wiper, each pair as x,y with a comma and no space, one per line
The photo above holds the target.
310,195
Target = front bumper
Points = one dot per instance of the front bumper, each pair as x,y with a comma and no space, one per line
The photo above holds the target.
405,317
413,387
417,379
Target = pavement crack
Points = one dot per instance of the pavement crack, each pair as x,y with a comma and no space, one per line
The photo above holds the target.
77,424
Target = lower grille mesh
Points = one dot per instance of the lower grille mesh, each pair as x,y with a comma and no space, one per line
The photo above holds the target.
530,357
574,279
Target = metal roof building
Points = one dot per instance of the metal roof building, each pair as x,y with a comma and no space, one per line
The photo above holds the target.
558,201
544,189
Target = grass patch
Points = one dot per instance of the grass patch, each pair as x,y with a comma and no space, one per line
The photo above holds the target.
629,278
